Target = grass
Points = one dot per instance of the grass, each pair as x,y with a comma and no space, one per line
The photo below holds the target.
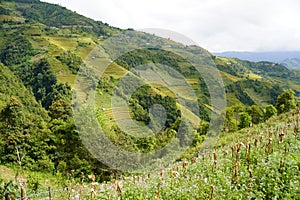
206,177
103,100
253,76
115,71
58,67
231,99
63,42
257,97
81,45
37,185
189,115
39,43
164,91
83,52
7,18
6,173
228,78
255,169
67,78
261,162
83,87
192,81
289,84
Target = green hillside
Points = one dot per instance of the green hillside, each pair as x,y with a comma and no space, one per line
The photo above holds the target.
261,162
63,74
292,63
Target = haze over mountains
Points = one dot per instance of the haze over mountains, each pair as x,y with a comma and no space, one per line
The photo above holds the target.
290,59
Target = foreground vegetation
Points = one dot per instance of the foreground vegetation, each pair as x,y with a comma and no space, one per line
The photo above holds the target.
261,162
42,47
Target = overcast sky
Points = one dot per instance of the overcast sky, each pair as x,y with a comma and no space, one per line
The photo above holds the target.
217,25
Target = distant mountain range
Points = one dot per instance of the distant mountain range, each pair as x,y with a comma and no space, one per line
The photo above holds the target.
290,59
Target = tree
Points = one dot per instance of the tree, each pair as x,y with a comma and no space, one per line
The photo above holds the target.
16,51
256,114
23,137
270,111
245,120
286,101
60,109
70,59
12,114
230,123
43,80
238,108
232,117
11,129
203,128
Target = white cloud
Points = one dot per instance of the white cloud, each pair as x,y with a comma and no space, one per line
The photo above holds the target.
218,25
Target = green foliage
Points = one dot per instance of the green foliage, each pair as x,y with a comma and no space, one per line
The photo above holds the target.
43,82
184,133
238,116
21,140
106,84
256,113
12,120
144,98
269,69
25,130
33,183
240,90
68,153
70,59
286,101
25,1
59,91
10,85
12,114
16,50
80,166
270,111
8,189
22,124
245,120
60,109
203,128
145,56
230,123
257,164
4,11
57,16
231,67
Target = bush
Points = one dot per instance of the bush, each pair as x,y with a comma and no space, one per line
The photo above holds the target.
286,101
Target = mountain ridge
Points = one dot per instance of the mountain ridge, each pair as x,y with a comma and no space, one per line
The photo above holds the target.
285,58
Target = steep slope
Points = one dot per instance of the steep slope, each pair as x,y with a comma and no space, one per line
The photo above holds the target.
276,56
292,63
23,121
261,162
53,31
11,86
43,46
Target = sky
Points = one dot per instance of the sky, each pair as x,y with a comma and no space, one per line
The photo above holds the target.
216,25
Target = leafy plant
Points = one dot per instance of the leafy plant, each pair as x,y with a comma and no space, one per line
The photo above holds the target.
8,189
